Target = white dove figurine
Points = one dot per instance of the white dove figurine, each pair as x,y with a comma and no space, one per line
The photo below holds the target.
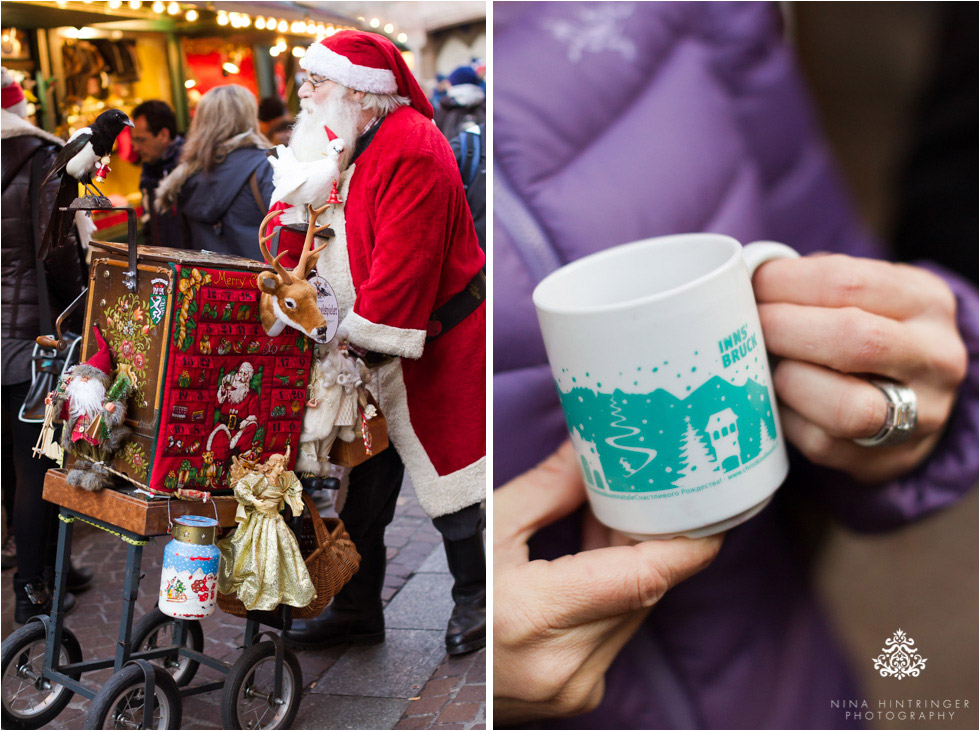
301,183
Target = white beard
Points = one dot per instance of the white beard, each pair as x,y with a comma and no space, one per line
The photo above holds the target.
237,391
341,113
85,398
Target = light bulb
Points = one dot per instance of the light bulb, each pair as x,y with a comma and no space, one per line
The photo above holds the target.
283,26
173,8
274,51
374,22
158,7
192,15
135,4
402,37
115,4
190,84
222,19
299,51
389,29
260,23
230,68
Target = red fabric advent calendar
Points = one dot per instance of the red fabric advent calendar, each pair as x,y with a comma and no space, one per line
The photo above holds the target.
209,383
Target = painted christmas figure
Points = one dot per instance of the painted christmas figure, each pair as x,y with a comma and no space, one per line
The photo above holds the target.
262,562
407,271
331,407
93,410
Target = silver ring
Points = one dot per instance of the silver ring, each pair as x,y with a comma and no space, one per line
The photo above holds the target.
900,418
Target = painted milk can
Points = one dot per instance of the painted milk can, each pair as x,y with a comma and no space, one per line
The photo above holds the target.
188,582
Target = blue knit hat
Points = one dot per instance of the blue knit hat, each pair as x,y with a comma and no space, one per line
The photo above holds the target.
464,75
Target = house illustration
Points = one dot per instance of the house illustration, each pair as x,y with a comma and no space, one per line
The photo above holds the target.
723,433
589,461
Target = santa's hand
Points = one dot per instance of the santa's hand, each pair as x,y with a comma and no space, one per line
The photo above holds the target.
110,407
558,625
836,321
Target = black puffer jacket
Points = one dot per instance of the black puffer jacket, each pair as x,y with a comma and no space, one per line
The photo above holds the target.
18,272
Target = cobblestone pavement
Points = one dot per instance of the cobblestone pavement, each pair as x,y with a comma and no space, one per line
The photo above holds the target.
406,682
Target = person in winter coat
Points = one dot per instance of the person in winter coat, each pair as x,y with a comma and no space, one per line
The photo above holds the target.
464,105
29,152
223,184
156,142
694,117
407,270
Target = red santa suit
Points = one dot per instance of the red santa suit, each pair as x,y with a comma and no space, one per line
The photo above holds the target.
404,246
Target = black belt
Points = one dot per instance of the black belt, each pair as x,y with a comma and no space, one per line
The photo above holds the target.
458,308
445,318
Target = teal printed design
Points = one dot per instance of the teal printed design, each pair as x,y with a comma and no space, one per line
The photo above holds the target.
637,443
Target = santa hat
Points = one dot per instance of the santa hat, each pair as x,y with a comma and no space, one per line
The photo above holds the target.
100,364
365,62
12,95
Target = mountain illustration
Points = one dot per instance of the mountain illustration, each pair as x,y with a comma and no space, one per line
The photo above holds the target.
643,440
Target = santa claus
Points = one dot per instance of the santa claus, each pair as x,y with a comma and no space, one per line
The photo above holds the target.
408,274
93,413
237,407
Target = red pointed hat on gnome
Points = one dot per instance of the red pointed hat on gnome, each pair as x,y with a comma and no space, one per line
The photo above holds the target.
102,359
365,62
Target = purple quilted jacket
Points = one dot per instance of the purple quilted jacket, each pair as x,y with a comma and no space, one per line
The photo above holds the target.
615,122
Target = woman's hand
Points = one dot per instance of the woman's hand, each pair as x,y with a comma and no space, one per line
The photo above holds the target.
558,625
835,321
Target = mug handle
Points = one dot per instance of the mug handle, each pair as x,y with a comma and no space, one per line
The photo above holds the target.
759,252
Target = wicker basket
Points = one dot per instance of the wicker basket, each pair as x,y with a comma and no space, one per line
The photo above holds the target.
330,556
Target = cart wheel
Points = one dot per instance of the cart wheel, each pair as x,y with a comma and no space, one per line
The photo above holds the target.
29,701
155,629
119,704
248,700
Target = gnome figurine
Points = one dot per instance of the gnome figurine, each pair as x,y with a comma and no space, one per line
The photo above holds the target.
93,410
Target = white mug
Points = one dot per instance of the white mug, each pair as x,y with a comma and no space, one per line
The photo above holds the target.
657,353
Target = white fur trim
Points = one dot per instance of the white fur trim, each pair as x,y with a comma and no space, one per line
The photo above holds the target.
437,494
400,341
13,126
321,60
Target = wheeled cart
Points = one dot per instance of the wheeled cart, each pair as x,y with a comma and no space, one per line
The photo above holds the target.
155,659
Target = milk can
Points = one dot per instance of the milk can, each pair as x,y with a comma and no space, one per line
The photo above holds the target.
188,582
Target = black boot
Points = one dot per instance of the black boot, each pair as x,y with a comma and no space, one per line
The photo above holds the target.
79,579
467,630
34,598
355,616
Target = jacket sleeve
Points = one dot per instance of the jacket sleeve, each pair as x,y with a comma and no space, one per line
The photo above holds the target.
64,267
416,212
264,174
948,473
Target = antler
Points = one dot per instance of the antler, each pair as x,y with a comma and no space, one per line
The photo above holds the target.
311,231
285,274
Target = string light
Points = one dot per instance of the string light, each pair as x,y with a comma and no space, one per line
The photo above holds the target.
270,23
158,7
260,23
115,4
389,29
310,27
192,15
173,8
299,51
274,51
222,18
135,4
190,84
374,23
402,37
230,68
283,26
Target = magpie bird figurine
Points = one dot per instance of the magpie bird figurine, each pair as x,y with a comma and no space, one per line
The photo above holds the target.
77,162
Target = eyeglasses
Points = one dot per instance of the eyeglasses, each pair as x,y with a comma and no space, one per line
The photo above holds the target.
314,81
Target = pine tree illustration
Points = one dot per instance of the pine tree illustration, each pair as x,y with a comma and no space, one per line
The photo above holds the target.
765,438
697,460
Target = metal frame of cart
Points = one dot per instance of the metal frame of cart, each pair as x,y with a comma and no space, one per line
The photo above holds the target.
134,678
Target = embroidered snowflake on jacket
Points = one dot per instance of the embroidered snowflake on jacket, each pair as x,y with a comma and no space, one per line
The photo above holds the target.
595,29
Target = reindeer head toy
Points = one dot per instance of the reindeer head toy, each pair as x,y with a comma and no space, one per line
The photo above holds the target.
287,297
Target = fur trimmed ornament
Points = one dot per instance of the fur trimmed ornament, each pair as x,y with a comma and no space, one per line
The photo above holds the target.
93,410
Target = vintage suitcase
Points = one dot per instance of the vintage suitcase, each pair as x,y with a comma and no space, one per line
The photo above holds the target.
208,382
